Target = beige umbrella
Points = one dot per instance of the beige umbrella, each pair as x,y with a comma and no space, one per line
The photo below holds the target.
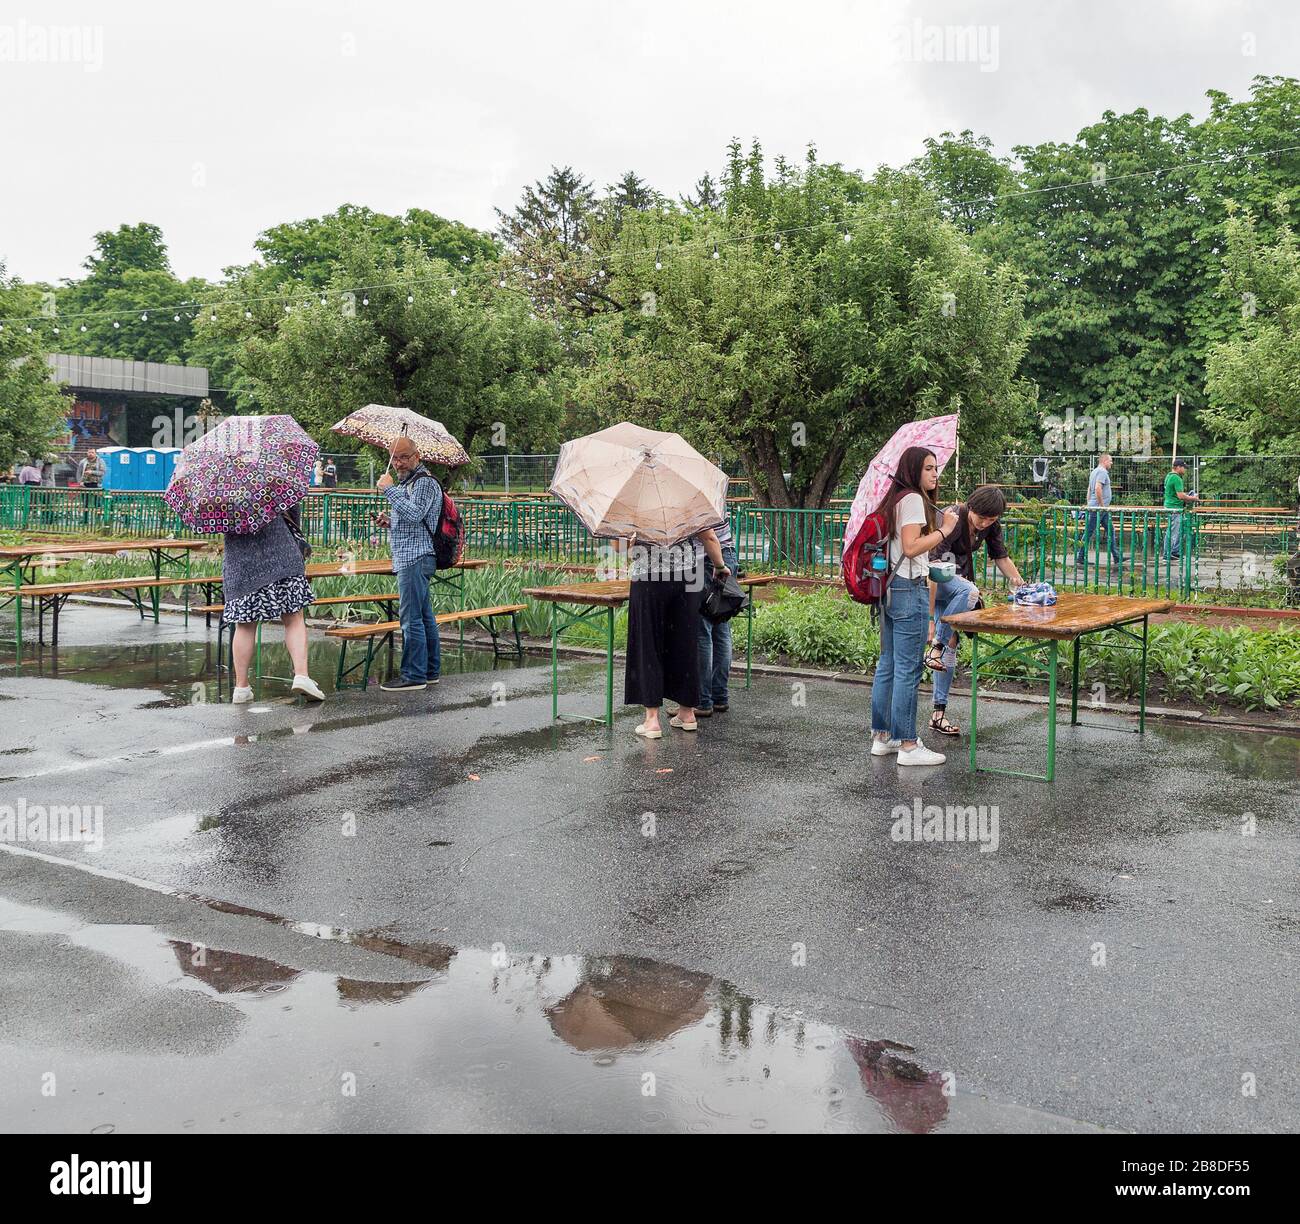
382,425
627,481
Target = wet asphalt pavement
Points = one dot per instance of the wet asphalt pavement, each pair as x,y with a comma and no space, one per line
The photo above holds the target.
461,922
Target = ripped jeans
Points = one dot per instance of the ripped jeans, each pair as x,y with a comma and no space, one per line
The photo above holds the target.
959,595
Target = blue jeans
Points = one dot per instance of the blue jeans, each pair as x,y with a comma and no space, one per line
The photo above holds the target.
1095,518
903,618
715,652
1173,537
953,597
421,646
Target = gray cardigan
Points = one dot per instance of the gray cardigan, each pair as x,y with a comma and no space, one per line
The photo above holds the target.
255,561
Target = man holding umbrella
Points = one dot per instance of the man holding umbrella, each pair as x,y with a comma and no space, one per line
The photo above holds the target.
415,501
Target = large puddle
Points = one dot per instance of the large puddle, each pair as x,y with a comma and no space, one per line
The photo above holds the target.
185,672
482,1039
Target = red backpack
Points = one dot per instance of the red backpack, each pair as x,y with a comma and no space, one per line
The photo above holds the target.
449,539
866,563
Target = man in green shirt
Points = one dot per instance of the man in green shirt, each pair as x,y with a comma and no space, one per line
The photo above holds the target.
1176,499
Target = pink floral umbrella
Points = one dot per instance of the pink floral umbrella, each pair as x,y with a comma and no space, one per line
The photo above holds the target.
243,473
938,434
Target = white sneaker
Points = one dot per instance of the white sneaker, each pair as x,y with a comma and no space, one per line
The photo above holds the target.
308,688
920,755
241,696
881,747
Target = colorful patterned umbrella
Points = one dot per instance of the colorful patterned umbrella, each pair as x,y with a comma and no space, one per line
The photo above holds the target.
243,473
938,434
627,481
382,425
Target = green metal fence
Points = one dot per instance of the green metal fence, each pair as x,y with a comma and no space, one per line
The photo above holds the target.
1216,550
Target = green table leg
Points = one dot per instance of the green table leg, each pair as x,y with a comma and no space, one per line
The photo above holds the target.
1142,690
18,606
1051,711
749,639
187,588
974,693
156,592
555,663
1074,686
609,669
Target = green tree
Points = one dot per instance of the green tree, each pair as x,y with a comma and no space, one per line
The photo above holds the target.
129,304
462,351
1254,376
1105,243
766,334
33,408
966,177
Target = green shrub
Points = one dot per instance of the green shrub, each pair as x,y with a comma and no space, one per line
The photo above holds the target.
823,628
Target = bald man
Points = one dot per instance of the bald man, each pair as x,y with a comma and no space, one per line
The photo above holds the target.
415,502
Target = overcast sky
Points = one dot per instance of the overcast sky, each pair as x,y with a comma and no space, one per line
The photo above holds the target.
216,121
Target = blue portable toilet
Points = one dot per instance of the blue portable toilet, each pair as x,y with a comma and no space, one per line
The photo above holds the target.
153,465
119,467
169,456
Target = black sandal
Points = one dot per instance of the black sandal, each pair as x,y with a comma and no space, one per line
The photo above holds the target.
939,722
934,657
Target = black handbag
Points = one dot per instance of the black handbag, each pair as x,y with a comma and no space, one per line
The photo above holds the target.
723,599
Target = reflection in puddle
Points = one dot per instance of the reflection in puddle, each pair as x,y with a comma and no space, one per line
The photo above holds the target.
465,1037
184,672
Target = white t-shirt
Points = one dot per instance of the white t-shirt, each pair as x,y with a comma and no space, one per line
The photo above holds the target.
910,509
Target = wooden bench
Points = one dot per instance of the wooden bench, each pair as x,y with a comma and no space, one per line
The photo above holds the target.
53,595
216,609
382,633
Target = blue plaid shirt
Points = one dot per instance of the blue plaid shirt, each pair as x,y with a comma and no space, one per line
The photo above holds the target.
415,502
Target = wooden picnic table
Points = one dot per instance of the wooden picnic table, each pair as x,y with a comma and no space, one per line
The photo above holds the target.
15,558
607,597
1070,619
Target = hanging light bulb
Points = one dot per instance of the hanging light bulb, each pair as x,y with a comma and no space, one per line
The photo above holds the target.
322,300
29,329
847,236
56,331
287,308
213,316
502,282
115,324
410,297
776,246
453,293
248,314
464,259
83,327
176,318
715,250
550,276
365,301
144,316
658,266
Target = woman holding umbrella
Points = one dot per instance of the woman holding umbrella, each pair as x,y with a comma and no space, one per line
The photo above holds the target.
663,628
244,480
910,516
263,578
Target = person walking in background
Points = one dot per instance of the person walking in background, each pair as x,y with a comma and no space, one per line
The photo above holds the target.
663,629
715,640
330,475
415,502
263,578
910,517
977,523
29,474
1099,495
1176,502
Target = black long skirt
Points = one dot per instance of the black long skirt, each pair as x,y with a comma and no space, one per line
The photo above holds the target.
663,643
